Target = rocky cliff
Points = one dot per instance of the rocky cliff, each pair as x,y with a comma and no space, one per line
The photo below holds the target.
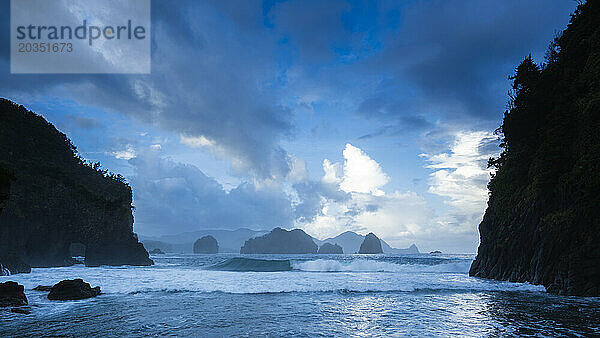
542,224
53,199
206,245
280,241
371,245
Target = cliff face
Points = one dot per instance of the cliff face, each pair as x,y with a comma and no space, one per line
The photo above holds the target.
542,224
54,199
280,241
206,245
371,245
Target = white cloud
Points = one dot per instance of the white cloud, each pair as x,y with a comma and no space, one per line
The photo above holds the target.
333,172
461,174
361,173
125,154
196,141
396,216
404,217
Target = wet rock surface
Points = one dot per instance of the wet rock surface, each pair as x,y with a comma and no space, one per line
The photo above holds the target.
73,289
12,294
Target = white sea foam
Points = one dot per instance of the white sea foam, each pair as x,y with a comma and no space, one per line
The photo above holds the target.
310,276
360,265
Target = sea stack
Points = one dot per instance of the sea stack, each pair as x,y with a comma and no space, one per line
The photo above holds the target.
328,248
371,245
543,218
280,241
206,245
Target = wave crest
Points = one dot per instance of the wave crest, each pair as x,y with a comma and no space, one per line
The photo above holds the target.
323,265
241,264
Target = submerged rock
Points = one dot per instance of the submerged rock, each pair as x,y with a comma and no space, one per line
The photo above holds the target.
21,310
280,241
206,245
11,294
328,248
44,288
73,289
156,251
371,245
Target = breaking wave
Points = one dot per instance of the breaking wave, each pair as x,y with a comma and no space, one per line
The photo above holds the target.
322,265
242,264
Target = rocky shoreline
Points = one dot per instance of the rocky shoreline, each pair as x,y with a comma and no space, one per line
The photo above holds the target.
13,298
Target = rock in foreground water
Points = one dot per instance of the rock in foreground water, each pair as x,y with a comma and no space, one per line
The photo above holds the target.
44,288
73,289
11,294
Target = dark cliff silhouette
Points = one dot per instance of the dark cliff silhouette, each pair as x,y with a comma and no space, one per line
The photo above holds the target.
542,223
51,198
280,241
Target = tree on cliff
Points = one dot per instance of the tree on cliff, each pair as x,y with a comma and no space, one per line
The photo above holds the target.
542,224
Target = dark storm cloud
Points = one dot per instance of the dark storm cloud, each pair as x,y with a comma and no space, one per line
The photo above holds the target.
211,72
411,63
453,57
219,67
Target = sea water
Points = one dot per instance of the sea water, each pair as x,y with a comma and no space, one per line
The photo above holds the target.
304,295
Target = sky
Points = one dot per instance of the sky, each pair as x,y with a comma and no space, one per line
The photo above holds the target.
329,116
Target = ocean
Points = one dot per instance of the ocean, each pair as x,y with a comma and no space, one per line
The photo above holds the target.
298,295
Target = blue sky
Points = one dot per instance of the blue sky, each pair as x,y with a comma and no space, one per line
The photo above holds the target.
323,115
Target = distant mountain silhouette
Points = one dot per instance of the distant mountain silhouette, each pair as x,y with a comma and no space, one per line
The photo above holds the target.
229,240
350,241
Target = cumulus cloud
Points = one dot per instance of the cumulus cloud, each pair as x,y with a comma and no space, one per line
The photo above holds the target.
461,173
397,216
361,173
125,154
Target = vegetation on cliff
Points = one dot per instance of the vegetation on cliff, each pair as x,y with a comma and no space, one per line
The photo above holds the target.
56,199
542,223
